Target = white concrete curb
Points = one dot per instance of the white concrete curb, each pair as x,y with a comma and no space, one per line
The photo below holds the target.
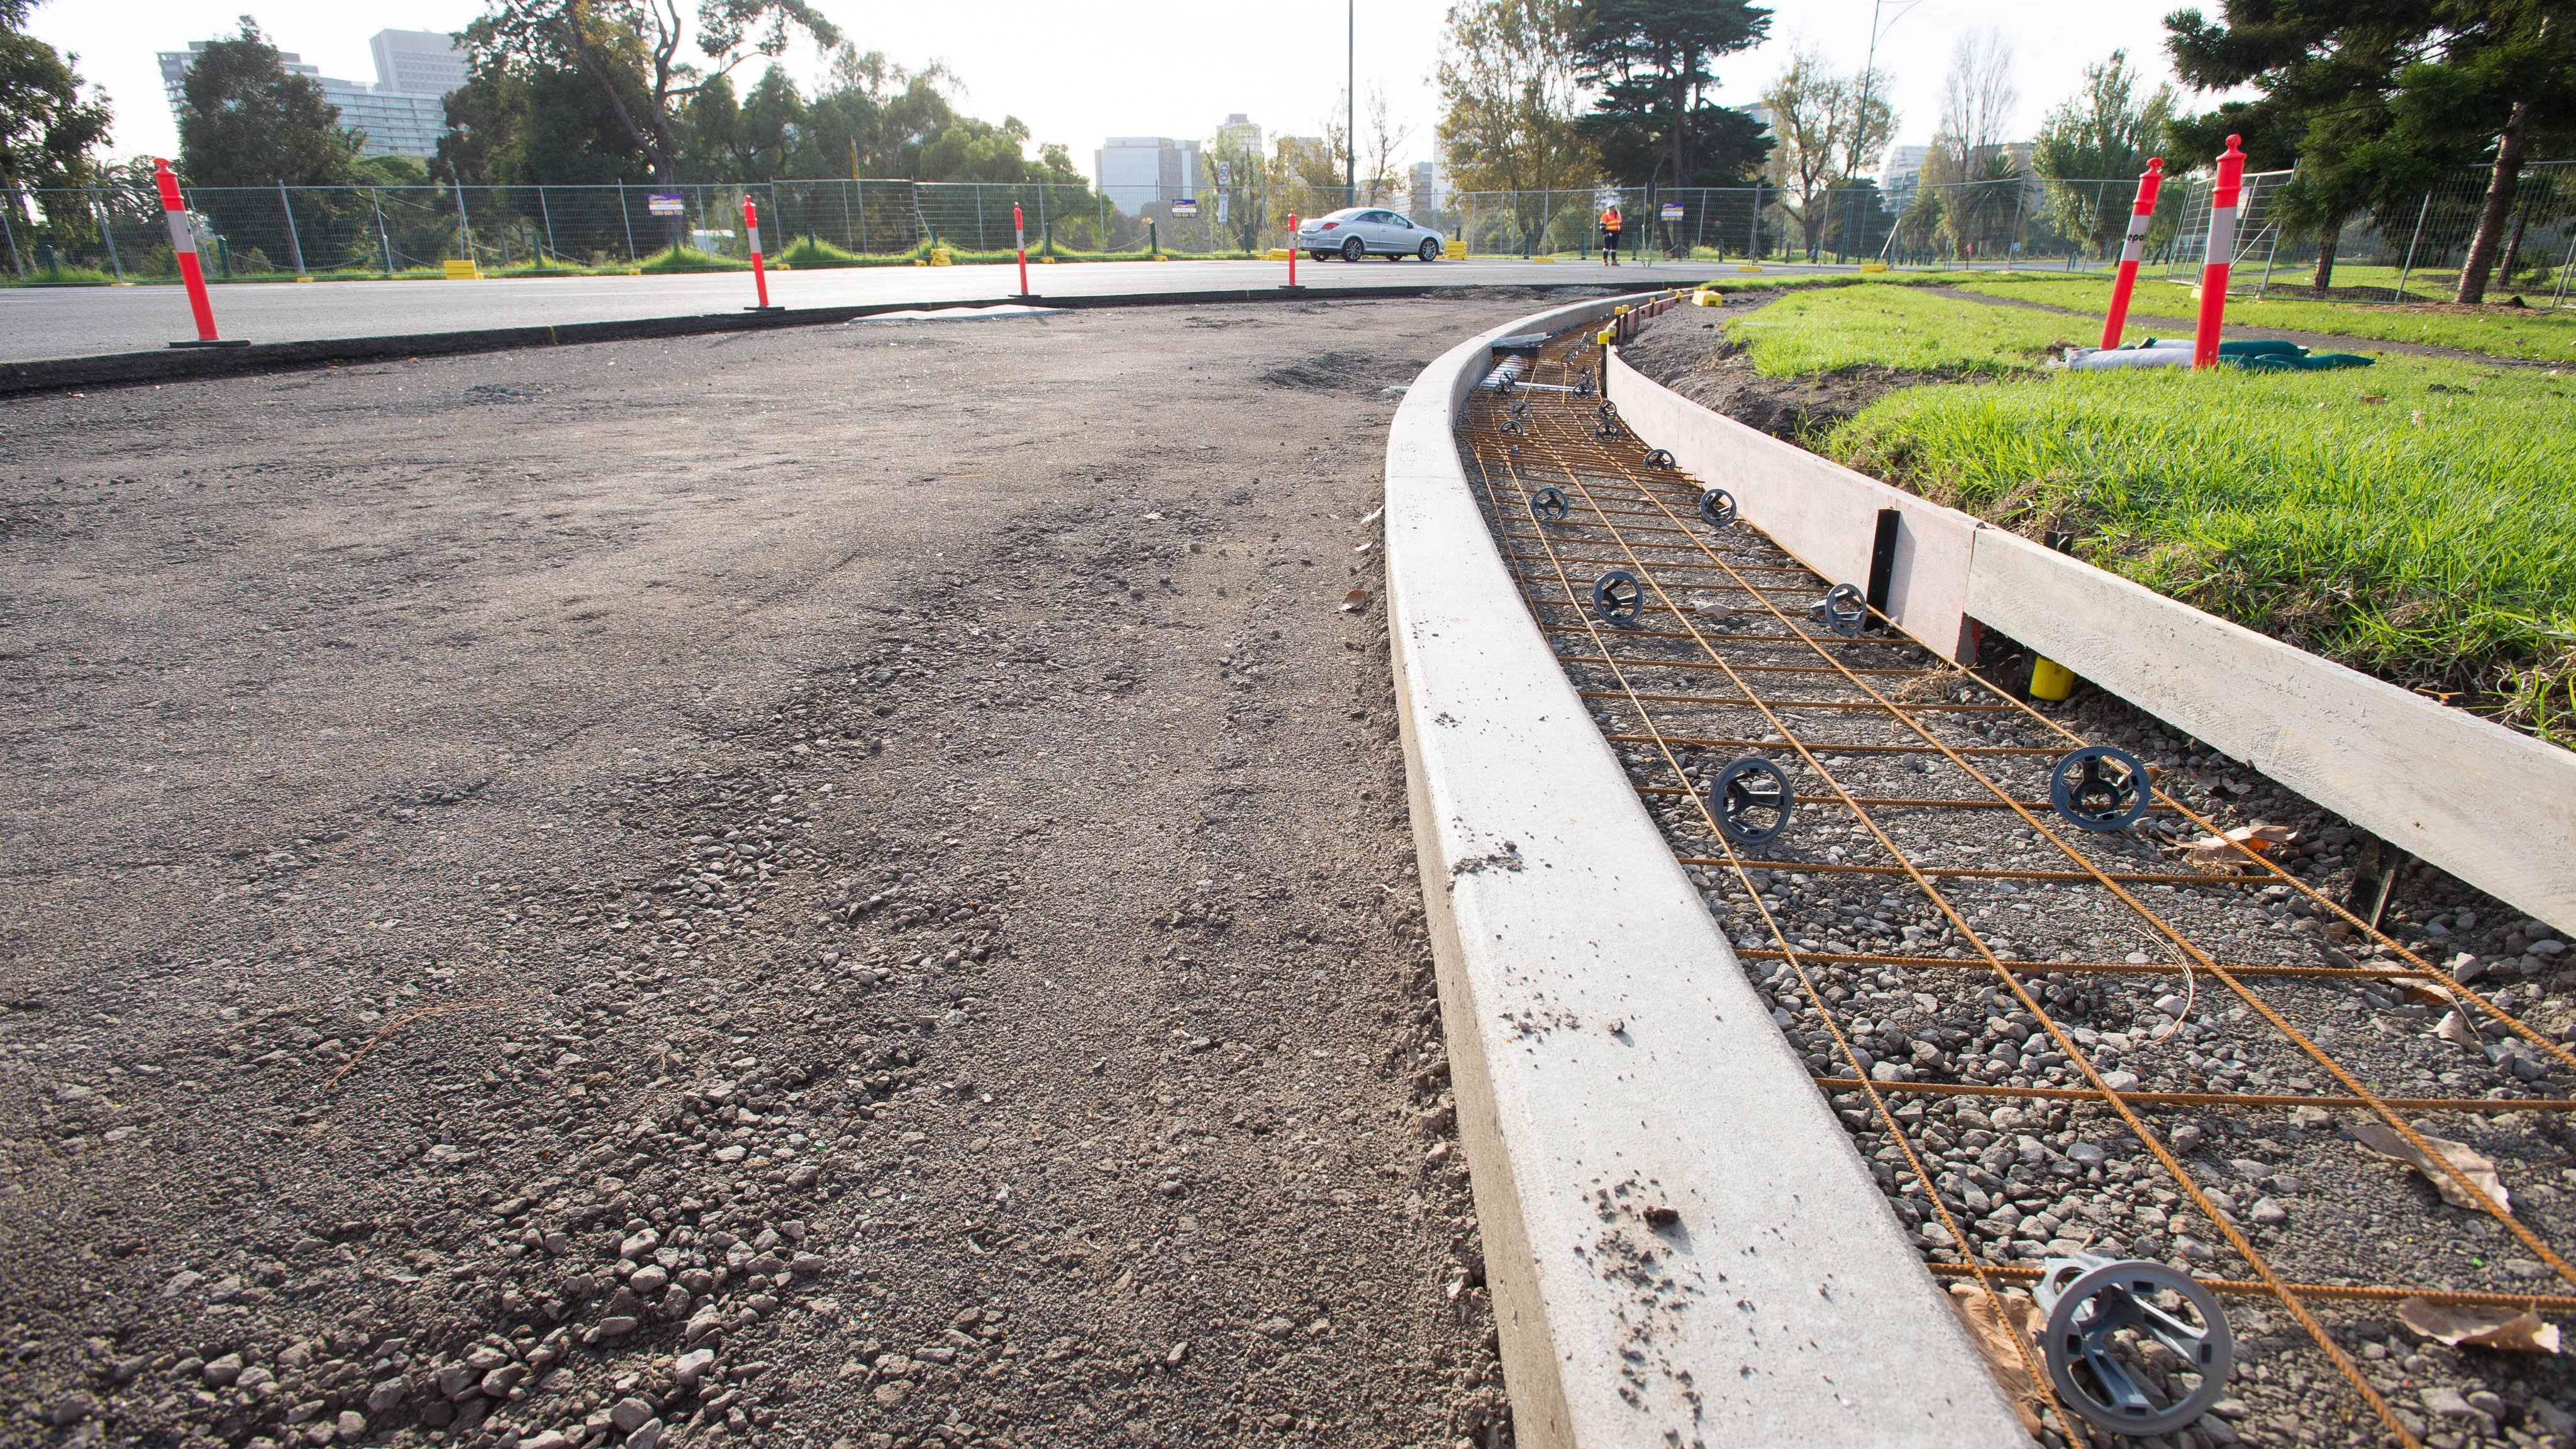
2493,807
1609,1056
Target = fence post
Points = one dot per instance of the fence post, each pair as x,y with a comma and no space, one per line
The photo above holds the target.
294,243
628,218
106,233
2555,298
9,231
979,216
464,225
376,197
2399,295
547,212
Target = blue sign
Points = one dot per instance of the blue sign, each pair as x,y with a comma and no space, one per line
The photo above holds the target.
1672,211
1186,206
664,203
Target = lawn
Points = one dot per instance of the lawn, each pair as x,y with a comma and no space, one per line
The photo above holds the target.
1829,328
2412,520
2537,334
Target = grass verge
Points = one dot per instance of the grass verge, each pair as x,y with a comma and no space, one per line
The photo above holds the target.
2412,521
1826,329
2530,334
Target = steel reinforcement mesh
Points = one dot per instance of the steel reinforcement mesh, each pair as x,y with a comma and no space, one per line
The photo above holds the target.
2047,1040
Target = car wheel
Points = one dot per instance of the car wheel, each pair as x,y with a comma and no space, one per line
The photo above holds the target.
1352,251
1323,256
1430,251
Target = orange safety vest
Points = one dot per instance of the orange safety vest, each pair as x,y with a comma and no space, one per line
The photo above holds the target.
1610,219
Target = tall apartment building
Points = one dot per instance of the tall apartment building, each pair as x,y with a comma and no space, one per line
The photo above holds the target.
1135,172
402,114
1239,136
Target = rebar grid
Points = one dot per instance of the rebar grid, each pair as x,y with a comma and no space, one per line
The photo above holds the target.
1561,441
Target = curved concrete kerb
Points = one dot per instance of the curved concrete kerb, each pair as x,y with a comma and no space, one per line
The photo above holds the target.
1682,1246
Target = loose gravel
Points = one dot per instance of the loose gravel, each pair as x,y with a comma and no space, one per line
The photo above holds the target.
835,887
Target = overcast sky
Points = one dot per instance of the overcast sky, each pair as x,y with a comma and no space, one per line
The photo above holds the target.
1152,67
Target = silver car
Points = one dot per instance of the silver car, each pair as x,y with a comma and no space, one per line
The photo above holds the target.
1359,231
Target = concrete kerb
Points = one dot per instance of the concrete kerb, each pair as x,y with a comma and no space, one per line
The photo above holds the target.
1608,1055
2492,806
174,364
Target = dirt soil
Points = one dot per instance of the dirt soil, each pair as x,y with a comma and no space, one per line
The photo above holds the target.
837,886
1685,349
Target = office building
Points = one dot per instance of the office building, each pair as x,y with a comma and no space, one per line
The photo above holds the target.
1239,136
403,114
1135,172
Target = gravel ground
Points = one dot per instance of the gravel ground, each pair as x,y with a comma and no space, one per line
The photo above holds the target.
2028,1180
844,886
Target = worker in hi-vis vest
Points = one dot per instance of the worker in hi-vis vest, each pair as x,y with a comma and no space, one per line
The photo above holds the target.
1610,227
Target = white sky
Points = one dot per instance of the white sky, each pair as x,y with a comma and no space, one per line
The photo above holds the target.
1151,67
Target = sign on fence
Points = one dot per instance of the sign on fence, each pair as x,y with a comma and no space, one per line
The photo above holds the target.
664,203
1186,206
1673,211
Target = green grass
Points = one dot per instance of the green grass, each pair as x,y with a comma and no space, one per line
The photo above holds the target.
2535,334
678,258
1826,329
2429,538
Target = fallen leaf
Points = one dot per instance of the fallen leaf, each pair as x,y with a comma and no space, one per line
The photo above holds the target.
2375,397
2220,853
2421,992
2379,1140
1995,1344
1354,601
2457,1032
2524,1332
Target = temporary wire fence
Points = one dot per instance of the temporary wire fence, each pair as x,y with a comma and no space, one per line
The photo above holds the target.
2408,250
2079,1041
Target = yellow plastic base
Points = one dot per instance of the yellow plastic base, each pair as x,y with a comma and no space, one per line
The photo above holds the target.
1873,266
2050,680
1455,251
463,271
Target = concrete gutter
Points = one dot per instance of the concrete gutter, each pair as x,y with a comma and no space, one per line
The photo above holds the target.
1823,513
180,364
1608,1055
2492,806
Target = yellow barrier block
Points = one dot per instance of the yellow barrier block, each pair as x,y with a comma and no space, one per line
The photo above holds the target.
1275,254
1050,261
941,257
1455,251
1873,266
463,271
1749,267
1542,259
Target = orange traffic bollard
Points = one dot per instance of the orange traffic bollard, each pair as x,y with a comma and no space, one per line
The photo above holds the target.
759,278
183,242
2221,251
2131,249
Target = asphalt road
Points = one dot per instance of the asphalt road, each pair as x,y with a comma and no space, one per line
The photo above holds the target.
50,322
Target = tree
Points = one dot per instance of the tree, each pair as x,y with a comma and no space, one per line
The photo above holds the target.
1381,175
530,117
244,121
1823,125
48,128
1509,97
1649,59
2504,69
1969,172
630,49
2104,131
773,115
2322,73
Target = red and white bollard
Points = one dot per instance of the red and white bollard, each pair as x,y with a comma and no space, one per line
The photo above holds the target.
2131,249
759,277
1020,234
183,242
1292,249
2222,250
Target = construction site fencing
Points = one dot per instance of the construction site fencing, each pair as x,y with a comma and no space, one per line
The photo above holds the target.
2409,249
